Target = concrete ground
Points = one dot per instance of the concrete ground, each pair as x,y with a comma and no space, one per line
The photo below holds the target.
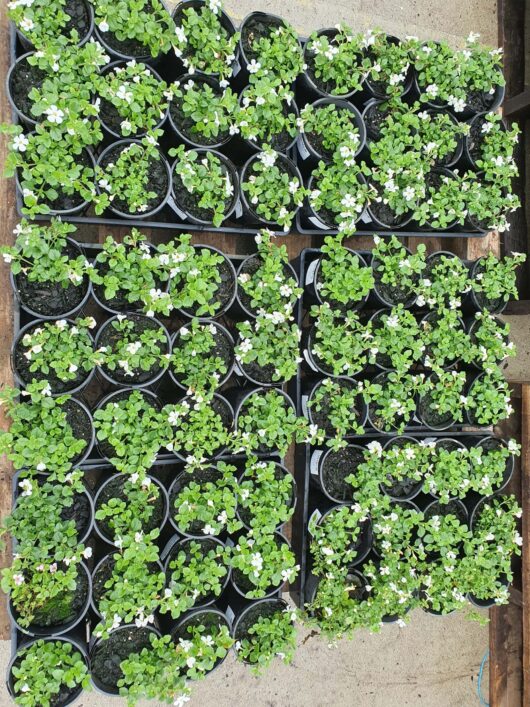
433,662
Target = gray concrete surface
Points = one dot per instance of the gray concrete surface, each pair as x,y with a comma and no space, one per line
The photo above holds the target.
433,662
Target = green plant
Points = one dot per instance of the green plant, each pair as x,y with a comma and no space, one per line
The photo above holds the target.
207,180
445,202
450,473
341,402
489,398
132,592
338,61
136,94
396,339
329,123
340,343
273,192
393,400
489,465
269,636
40,437
209,505
387,62
342,279
212,114
336,537
340,192
443,397
399,465
133,428
41,21
489,204
133,350
266,113
447,279
497,144
128,178
265,561
491,340
267,420
44,669
265,495
445,339
270,287
195,359
196,427
495,278
60,349
335,606
203,43
196,574
271,342
277,53
204,647
394,526
146,22
130,511
396,268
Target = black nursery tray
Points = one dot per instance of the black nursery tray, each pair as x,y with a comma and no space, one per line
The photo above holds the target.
171,217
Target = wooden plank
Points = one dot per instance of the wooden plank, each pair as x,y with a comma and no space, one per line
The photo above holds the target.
505,669
519,106
511,22
525,575
477,247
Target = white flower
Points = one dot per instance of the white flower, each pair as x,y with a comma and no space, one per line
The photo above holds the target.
181,35
87,552
209,530
409,193
401,623
253,67
55,115
432,90
27,24
25,687
103,26
289,574
26,487
268,158
126,125
41,466
7,258
124,94
375,448
181,701
18,579
256,561
392,321
20,143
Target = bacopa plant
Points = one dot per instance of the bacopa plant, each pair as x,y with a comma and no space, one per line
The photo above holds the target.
202,113
343,278
271,635
326,125
337,61
195,359
340,343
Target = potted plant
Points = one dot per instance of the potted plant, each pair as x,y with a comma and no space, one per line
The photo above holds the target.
323,126
261,564
141,32
450,473
490,340
335,471
396,342
47,269
127,503
396,271
494,464
197,573
24,71
130,429
493,282
336,406
201,113
266,495
203,636
270,46
401,467
205,185
202,356
48,672
206,40
445,339
265,630
46,433
394,526
203,501
268,115
271,189
60,352
40,22
338,345
444,204
489,147
441,404
266,421
340,277
133,178
267,349
389,62
444,280
134,349
489,205
391,399
198,427
133,99
341,537
488,399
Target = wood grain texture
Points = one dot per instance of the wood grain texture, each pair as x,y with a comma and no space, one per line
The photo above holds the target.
525,574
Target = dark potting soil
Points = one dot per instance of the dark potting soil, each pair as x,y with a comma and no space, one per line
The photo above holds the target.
79,512
386,215
245,513
110,653
450,445
483,301
222,349
114,489
392,295
110,338
336,468
65,693
225,289
256,29
22,366
23,78
106,449
64,202
79,421
105,571
430,415
200,476
51,298
479,101
250,267
207,544
404,487
374,119
443,509
79,18
157,182
475,139
65,607
261,374
129,47
189,201
186,124
321,417
263,610
382,359
279,141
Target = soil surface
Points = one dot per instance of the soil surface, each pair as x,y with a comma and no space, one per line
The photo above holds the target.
386,216
392,295
23,78
336,468
374,119
255,29
479,101
430,416
443,509
79,512
80,423
110,653
200,476
79,17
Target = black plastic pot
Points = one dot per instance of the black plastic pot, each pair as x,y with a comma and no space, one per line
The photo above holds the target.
60,629
252,613
104,157
242,301
64,386
319,474
370,86
311,586
185,209
312,280
115,397
313,415
401,441
110,131
383,296
105,672
122,478
378,106
308,84
364,542
230,274
132,382
249,214
491,442
478,302
28,45
281,539
224,19
447,422
57,292
16,657
202,474
316,218
220,327
24,118
76,404
374,217
200,617
182,137
243,517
